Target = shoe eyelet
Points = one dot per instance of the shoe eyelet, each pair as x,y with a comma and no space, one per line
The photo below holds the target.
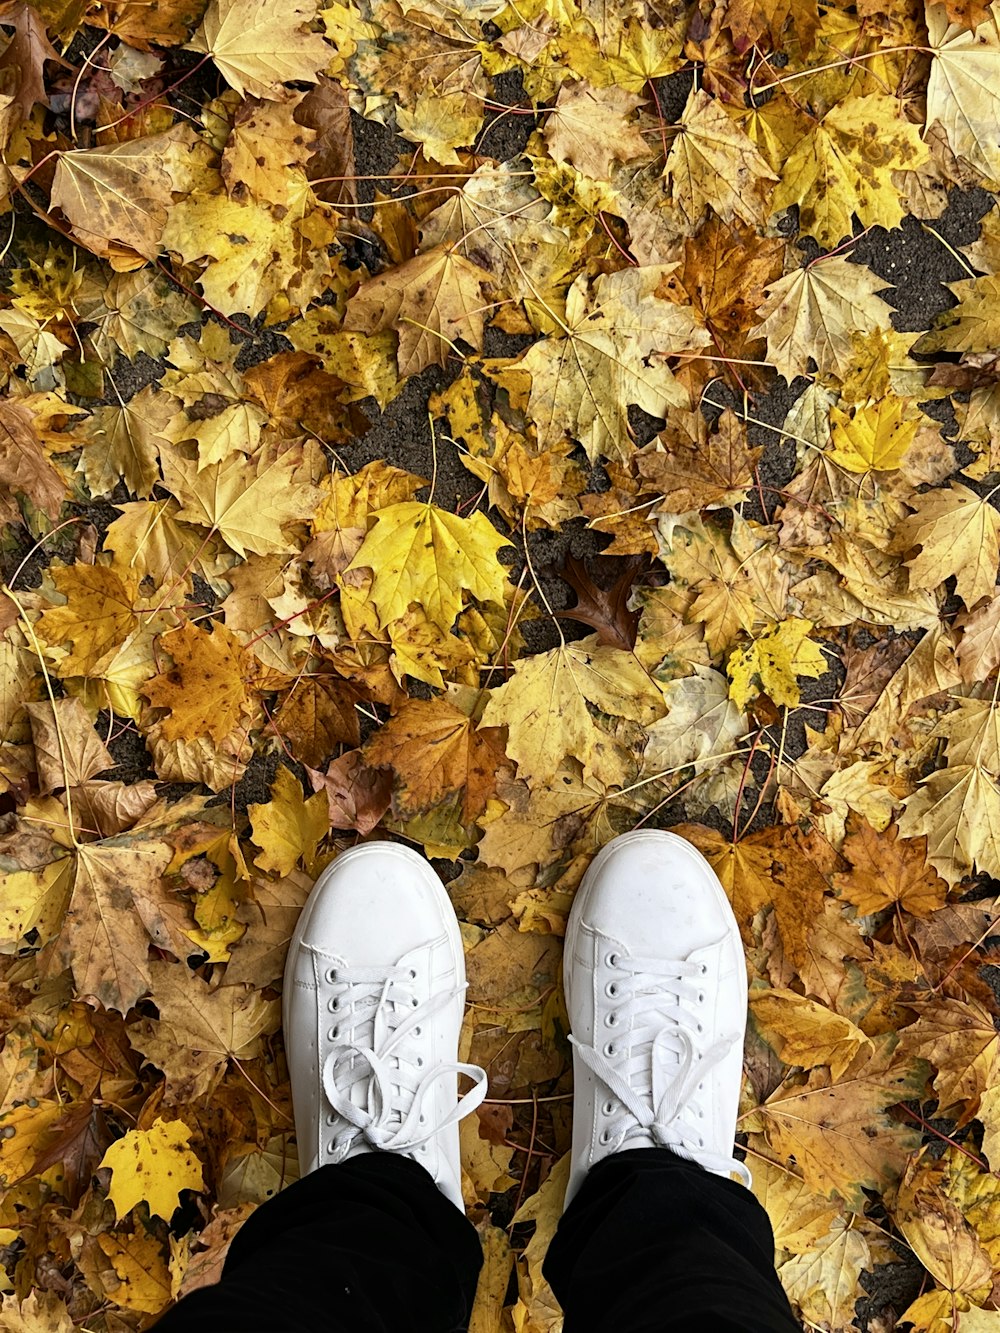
333,1006
701,1115
611,960
417,1032
413,974
611,989
700,1028
422,1120
331,975
609,1049
701,1143
333,1034
610,1019
608,1107
414,1002
331,1119
605,1137
701,997
331,1148
420,1062
701,1087
704,969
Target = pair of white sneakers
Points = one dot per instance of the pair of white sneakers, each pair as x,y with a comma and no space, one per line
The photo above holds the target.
656,993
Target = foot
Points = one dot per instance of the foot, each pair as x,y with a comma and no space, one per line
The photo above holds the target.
656,990
372,1009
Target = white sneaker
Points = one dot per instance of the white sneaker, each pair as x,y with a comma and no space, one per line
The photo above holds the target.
656,991
372,1009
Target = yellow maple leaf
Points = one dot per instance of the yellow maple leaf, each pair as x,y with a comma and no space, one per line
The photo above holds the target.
798,1216
714,162
963,87
141,1269
839,1133
973,325
266,144
807,1033
775,659
98,616
258,47
943,1239
258,257
824,1282
152,1165
544,707
200,1029
537,1309
874,437
122,444
288,826
441,121
816,311
41,1312
844,166
618,335
103,939
117,197
590,128
206,688
958,533
246,502
419,553
430,300
34,900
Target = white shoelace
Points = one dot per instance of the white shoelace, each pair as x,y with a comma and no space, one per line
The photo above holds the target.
657,1080
370,1032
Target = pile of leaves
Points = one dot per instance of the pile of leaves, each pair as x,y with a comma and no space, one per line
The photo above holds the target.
295,442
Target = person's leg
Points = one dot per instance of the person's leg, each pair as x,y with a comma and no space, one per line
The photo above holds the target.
652,1241
369,1246
373,1238
656,1234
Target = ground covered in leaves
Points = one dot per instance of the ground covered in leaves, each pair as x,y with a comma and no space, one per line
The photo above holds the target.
497,428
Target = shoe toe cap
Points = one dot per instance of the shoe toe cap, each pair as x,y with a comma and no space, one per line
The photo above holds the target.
373,905
655,894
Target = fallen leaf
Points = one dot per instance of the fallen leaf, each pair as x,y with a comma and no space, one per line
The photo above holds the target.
544,705
205,690
257,49
287,828
838,1134
420,553
590,128
434,749
431,300
200,1029
152,1166
713,163
887,869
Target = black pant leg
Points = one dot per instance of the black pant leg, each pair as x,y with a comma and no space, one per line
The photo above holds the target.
653,1242
368,1246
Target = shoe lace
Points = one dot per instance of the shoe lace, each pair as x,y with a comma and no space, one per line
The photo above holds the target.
371,1050
657,1078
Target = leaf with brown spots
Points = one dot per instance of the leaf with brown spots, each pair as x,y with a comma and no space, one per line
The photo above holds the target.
206,689
435,750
